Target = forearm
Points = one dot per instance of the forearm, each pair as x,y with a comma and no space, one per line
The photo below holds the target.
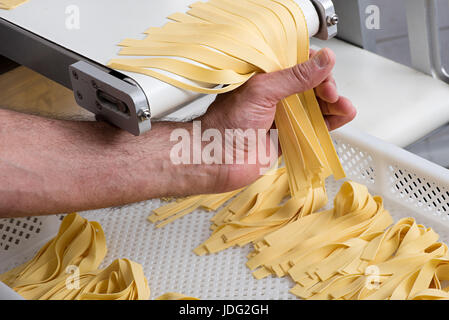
51,166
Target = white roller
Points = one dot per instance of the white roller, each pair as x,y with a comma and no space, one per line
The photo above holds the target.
104,23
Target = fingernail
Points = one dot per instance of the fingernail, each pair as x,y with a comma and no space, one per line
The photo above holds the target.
321,59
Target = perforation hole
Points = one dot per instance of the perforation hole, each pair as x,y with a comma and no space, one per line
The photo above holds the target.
426,195
15,231
356,162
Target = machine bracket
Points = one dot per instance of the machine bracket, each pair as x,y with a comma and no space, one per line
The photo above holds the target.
118,101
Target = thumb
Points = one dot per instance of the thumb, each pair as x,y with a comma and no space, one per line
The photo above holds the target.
300,78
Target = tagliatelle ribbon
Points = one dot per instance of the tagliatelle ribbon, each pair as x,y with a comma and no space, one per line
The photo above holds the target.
400,263
11,4
66,268
121,280
355,213
79,243
240,227
343,253
223,44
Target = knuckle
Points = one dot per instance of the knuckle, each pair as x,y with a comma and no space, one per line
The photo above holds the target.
302,73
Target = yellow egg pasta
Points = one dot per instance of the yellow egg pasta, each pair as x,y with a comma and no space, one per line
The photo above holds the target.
348,252
11,4
66,268
79,243
224,43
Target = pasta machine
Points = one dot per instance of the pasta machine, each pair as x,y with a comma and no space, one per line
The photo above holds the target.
71,41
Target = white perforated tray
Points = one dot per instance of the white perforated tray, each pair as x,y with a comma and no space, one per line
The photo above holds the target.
410,185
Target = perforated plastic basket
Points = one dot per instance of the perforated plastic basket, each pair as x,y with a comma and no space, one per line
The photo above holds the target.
411,187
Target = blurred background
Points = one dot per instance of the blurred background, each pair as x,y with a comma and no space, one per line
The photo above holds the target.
396,39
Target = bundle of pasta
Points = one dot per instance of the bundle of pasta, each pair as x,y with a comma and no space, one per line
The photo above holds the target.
312,238
79,246
66,268
224,43
404,262
79,243
263,218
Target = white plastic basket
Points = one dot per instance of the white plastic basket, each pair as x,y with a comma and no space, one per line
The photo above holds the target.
410,185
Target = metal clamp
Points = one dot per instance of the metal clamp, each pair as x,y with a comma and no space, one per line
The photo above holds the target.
118,101
328,19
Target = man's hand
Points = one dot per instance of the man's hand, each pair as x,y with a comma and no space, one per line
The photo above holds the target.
53,166
253,106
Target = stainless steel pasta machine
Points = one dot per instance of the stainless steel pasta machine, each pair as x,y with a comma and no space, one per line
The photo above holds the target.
71,41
